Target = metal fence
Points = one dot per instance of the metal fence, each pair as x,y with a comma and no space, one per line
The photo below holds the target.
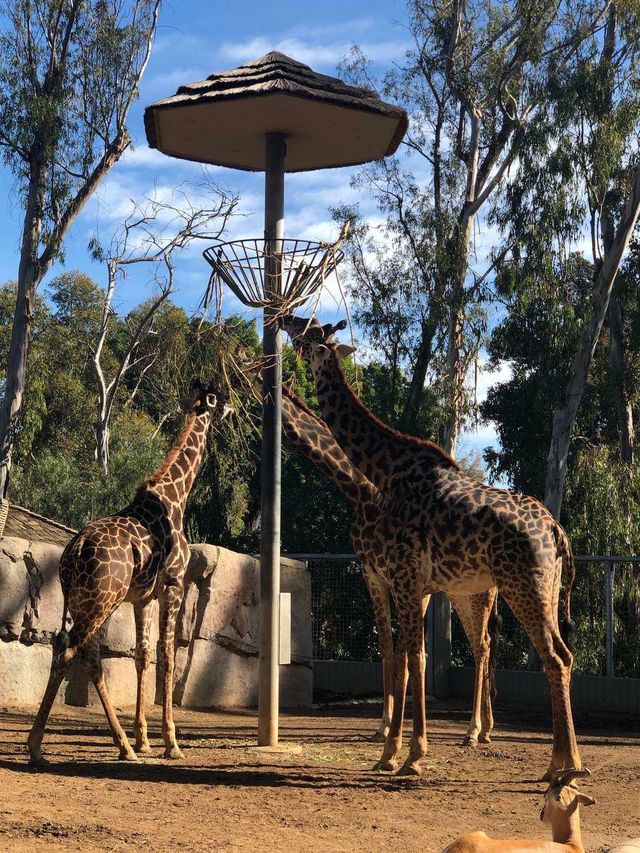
605,607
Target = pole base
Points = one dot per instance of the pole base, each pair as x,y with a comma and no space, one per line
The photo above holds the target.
278,749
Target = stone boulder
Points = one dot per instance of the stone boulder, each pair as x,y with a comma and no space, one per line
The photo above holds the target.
216,632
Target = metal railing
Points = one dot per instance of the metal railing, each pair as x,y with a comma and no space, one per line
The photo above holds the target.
605,607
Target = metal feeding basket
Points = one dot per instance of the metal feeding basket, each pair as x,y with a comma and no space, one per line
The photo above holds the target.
280,280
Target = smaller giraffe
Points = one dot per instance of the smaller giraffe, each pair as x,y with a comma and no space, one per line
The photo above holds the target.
137,554
313,438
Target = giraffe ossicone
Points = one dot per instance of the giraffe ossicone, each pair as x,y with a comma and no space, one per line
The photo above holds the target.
440,530
138,554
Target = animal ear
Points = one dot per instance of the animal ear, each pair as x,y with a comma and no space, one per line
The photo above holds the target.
585,799
343,350
211,400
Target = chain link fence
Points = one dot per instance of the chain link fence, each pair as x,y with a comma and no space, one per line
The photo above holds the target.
605,608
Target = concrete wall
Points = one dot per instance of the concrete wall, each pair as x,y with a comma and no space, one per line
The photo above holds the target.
530,689
216,636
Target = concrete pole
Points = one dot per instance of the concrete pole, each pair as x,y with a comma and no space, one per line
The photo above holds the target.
269,681
609,569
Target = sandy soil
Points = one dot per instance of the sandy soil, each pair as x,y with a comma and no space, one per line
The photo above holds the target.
227,797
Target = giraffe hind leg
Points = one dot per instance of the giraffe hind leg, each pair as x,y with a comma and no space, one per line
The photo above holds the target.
63,654
535,614
90,657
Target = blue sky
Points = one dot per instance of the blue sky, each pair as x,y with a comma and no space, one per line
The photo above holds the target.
196,38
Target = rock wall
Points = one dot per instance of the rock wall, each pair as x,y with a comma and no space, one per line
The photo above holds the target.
216,633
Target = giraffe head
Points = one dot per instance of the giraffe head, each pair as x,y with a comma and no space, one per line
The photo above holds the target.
312,340
563,796
211,398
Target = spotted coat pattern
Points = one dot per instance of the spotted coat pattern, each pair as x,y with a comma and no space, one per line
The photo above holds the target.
138,554
311,436
440,530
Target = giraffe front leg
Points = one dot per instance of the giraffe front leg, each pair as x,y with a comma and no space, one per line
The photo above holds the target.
170,599
491,630
462,605
414,627
379,594
393,742
143,615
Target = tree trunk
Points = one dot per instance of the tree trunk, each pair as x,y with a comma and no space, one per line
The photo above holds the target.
29,276
565,415
626,430
102,445
411,408
455,373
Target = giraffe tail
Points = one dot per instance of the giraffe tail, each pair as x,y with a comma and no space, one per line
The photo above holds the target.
62,640
567,627
495,635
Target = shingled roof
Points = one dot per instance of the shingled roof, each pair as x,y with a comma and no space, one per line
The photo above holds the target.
369,125
25,524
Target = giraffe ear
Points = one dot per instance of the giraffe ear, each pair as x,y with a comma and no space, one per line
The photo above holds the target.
211,401
343,350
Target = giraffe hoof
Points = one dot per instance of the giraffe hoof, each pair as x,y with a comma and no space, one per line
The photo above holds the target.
484,738
174,754
143,749
127,755
410,769
378,737
470,741
39,762
386,764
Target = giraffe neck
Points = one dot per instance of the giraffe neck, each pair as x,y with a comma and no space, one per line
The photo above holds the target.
315,441
375,449
174,479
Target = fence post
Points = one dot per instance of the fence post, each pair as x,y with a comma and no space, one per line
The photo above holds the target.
609,577
438,646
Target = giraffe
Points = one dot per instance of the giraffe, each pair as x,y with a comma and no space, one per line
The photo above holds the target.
138,554
440,530
311,436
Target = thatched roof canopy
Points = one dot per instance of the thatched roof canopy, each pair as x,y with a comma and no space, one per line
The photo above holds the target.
223,119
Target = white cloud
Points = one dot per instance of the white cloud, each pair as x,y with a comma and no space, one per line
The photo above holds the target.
309,51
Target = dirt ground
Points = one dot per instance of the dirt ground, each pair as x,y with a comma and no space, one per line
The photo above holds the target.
227,797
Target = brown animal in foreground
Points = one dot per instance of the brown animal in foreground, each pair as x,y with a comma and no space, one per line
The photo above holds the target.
561,810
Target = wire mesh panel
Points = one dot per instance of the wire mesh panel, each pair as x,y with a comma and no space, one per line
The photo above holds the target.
343,624
596,636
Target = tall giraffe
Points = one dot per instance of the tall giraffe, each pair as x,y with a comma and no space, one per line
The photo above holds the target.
440,530
311,436
137,554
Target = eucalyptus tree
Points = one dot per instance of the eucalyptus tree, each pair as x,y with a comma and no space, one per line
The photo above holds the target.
69,72
577,188
153,234
472,80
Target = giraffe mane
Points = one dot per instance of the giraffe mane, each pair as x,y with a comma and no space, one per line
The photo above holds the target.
172,455
418,443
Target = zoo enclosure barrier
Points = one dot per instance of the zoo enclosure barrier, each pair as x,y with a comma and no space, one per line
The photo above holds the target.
605,608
